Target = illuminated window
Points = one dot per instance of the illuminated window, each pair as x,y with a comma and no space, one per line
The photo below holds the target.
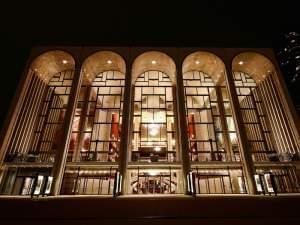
277,179
47,131
154,181
153,137
219,181
254,117
88,182
97,123
270,134
38,130
210,125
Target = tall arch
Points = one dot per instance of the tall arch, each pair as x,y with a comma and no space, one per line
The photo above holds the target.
37,128
269,130
265,119
211,129
37,131
154,126
154,60
96,127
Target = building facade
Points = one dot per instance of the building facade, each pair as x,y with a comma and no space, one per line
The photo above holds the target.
139,121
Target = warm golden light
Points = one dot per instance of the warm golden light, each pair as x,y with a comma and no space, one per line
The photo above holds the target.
153,129
157,149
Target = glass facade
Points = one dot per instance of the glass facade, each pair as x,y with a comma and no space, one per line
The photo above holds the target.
153,133
106,127
97,122
211,130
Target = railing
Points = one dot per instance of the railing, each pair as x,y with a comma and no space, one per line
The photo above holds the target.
153,181
273,180
219,181
88,182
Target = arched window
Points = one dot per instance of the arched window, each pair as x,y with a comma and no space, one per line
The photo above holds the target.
37,132
100,108
153,122
96,127
211,129
270,134
154,127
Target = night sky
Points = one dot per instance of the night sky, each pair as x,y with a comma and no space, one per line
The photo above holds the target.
146,23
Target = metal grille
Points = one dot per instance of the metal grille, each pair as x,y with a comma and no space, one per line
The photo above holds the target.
282,179
19,144
44,132
23,181
48,132
88,182
153,181
97,123
254,118
154,118
211,131
219,181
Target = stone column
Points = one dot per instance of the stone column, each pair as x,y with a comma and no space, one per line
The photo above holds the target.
125,130
62,153
14,111
83,120
182,132
246,157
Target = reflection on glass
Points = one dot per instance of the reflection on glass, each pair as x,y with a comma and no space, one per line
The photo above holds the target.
27,186
48,185
38,185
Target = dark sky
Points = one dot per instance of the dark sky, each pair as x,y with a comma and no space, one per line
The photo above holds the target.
141,23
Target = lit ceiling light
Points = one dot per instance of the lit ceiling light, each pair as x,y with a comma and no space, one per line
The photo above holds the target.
152,173
153,62
197,62
173,142
109,61
153,129
241,62
64,61
157,149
